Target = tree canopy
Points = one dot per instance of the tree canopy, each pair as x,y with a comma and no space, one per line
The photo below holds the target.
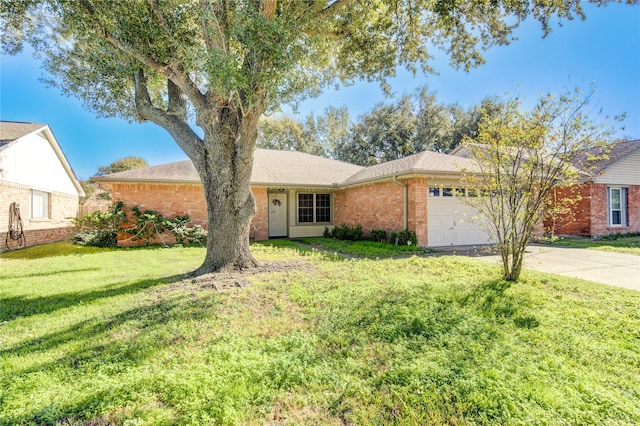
122,164
219,65
288,134
412,124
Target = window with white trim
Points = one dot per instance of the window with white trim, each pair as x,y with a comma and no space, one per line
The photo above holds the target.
314,208
39,205
617,206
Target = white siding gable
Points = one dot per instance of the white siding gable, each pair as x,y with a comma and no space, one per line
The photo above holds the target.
32,161
625,171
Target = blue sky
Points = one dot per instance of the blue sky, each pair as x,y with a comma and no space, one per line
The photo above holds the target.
604,50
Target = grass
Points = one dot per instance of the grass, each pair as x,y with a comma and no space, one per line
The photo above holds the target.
108,337
618,244
364,249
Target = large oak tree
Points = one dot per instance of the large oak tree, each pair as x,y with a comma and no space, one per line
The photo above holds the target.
206,70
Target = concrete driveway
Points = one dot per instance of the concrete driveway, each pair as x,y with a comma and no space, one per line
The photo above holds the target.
616,269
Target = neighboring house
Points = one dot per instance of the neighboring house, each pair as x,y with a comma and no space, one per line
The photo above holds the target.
35,174
608,199
299,195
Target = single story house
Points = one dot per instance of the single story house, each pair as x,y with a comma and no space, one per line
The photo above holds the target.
299,195
36,177
608,198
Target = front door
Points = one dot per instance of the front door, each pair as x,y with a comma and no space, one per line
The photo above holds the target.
277,215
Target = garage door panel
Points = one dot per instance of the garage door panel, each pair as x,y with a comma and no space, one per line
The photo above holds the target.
451,222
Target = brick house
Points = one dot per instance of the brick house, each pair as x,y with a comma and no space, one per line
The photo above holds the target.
608,198
36,176
299,195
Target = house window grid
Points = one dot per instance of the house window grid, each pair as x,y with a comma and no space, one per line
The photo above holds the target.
314,208
305,208
323,208
40,209
451,191
616,206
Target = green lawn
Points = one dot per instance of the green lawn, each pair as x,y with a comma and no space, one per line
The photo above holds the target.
364,249
110,337
629,245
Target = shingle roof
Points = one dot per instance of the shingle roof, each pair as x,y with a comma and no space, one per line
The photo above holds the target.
270,167
617,151
181,171
12,130
423,162
297,168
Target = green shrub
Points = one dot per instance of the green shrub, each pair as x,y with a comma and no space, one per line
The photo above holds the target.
346,232
326,233
96,238
379,235
150,223
614,237
195,235
404,238
100,229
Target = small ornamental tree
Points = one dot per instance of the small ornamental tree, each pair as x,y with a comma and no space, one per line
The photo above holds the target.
521,157
207,70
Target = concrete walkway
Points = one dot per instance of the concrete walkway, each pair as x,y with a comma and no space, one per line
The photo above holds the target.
616,269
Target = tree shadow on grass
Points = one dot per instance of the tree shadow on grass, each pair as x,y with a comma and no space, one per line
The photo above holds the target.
143,319
47,273
492,299
110,346
22,306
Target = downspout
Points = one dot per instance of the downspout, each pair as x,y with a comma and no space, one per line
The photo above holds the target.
406,201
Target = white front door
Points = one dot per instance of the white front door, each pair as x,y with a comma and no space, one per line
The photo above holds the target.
277,215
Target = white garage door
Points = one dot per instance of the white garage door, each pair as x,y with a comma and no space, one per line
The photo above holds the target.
450,221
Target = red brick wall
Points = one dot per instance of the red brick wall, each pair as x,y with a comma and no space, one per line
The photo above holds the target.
418,208
381,206
576,221
260,222
598,215
589,215
634,208
57,227
375,206
172,200
169,200
599,211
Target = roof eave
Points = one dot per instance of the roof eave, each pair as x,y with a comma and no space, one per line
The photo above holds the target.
405,173
158,181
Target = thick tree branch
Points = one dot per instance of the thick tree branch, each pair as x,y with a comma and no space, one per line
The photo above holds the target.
179,129
155,8
177,103
174,73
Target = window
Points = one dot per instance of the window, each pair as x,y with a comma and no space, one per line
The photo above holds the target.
447,192
305,208
617,206
434,191
314,208
323,208
460,192
39,205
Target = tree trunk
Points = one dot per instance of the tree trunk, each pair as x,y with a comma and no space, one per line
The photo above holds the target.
228,230
225,167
